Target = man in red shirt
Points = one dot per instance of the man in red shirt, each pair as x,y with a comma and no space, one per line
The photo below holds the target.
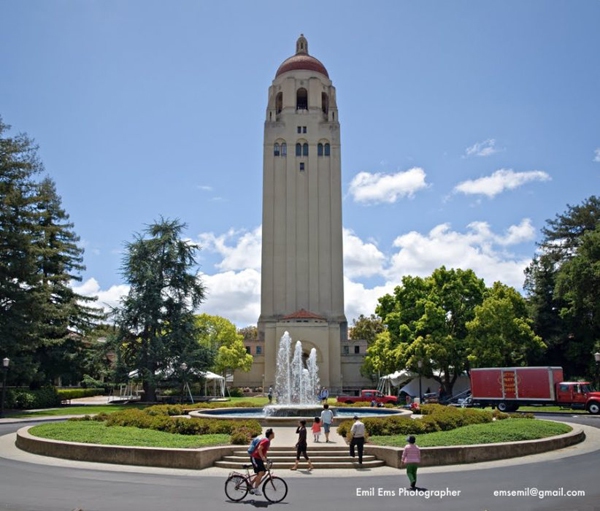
258,458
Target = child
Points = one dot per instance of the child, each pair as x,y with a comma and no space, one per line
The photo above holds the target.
412,457
316,429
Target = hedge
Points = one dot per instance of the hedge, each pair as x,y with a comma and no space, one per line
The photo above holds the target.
25,399
77,393
435,418
160,418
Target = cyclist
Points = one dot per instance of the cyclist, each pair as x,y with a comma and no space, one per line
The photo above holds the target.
258,458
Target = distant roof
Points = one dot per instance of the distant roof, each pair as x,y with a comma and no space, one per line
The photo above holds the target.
302,60
303,314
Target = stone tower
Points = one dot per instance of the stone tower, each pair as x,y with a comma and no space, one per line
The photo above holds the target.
302,288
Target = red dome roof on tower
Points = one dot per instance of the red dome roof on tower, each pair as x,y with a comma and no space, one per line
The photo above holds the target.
302,60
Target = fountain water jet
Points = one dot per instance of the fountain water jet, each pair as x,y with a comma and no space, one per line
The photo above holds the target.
296,386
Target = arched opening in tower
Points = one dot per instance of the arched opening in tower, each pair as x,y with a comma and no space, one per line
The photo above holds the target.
301,99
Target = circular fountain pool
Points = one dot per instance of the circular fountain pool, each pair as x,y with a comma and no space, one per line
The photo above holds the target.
289,415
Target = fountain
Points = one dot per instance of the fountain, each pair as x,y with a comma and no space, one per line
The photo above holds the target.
296,385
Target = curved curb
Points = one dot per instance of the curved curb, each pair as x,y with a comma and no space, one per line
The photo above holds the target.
454,455
206,457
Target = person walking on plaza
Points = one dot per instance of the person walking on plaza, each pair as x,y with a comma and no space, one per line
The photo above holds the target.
270,395
324,395
258,459
316,429
358,438
326,419
302,445
411,456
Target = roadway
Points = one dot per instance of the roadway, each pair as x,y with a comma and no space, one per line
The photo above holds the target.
33,483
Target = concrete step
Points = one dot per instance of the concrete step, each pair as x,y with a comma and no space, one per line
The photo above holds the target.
283,458
318,465
322,456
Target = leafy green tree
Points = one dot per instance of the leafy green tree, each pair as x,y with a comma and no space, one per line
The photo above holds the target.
366,328
157,327
220,335
426,319
500,334
380,358
559,317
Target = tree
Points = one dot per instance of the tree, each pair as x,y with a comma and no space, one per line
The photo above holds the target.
156,322
249,333
366,328
500,334
578,284
426,319
39,260
220,335
563,325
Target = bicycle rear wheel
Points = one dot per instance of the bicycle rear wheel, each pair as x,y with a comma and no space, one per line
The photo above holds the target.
236,488
275,489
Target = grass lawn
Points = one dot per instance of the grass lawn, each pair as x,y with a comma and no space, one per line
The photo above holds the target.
93,432
508,430
75,410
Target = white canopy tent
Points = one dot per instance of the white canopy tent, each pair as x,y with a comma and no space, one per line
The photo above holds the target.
218,381
409,383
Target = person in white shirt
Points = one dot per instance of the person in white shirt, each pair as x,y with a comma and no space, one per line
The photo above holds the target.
326,419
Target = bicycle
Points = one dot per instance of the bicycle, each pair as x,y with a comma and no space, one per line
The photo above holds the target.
238,485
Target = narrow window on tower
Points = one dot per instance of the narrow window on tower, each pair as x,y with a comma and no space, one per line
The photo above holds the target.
283,149
327,149
276,150
299,129
278,102
324,103
303,129
305,150
298,149
357,350
320,150
301,166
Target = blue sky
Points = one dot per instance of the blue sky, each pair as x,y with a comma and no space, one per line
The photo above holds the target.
465,126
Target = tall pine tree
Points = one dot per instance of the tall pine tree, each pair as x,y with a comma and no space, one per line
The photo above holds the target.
39,258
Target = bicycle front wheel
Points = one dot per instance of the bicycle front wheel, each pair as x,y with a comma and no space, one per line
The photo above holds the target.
236,488
275,489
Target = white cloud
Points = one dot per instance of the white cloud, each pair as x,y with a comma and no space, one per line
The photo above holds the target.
361,259
378,188
106,299
499,181
485,148
239,249
478,249
597,155
233,295
360,299
205,188
233,291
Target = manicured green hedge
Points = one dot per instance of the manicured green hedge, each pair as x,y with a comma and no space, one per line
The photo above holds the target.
435,418
160,418
25,399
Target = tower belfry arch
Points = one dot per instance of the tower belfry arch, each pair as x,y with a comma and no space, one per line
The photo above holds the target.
302,286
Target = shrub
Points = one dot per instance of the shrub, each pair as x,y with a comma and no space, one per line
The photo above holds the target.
236,392
25,399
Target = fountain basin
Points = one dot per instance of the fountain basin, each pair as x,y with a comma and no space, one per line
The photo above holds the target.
307,412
